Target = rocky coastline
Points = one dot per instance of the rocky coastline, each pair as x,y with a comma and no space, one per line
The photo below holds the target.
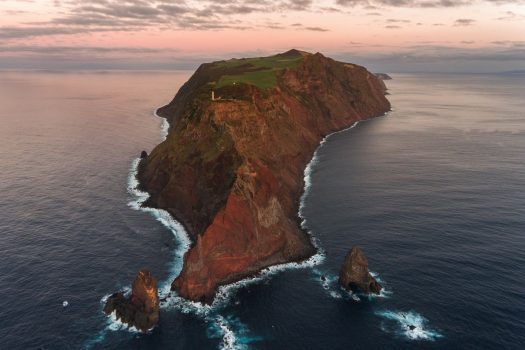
231,170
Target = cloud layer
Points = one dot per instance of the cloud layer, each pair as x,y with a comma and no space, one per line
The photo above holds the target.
151,34
91,16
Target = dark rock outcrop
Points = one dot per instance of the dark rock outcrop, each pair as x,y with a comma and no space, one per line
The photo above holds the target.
231,170
143,154
354,273
141,309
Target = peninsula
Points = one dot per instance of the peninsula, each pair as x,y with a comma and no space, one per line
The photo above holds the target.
231,169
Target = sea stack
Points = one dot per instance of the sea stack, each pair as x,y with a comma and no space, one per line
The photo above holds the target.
231,169
141,309
354,273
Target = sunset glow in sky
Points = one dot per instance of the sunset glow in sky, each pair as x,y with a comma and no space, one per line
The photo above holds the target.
390,35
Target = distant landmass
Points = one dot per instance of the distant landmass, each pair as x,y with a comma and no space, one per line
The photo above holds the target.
513,72
231,169
383,76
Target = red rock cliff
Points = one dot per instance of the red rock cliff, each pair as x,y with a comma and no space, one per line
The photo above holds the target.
231,170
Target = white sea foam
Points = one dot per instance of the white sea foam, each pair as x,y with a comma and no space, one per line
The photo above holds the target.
171,299
116,324
383,294
308,173
138,198
164,125
234,334
229,340
125,290
112,322
400,323
224,293
335,295
385,291
329,282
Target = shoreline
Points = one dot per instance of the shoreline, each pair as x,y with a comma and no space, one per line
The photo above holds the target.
214,175
210,312
163,216
180,232
173,224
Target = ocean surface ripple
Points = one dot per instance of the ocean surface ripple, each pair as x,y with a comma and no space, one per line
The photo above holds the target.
432,193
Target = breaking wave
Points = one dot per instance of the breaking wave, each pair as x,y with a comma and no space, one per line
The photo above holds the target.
329,282
181,237
223,327
309,168
410,325
234,334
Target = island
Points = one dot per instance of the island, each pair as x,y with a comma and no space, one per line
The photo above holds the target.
231,169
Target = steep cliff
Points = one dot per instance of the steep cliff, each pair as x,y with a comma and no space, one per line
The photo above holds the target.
231,168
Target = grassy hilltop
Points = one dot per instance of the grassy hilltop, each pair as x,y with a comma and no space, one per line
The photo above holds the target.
259,71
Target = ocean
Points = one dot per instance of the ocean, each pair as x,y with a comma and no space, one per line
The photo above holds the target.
432,192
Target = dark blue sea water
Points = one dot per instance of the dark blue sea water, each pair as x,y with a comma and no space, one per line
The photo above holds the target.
433,193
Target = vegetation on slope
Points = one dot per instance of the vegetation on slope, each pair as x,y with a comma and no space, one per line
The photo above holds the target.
259,71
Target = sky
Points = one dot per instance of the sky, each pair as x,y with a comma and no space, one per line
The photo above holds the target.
384,35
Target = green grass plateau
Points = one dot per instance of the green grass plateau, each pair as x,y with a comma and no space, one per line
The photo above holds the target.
260,71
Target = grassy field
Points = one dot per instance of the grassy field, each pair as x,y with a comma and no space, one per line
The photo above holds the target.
260,71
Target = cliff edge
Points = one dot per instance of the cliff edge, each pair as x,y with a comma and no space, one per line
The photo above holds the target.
231,168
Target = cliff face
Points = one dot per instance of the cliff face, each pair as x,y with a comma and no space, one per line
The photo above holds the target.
231,170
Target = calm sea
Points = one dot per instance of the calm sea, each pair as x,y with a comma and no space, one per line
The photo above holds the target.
433,192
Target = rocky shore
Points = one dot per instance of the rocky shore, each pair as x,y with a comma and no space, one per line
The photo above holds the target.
141,308
231,168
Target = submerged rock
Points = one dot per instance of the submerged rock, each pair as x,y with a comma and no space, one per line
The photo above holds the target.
354,273
141,309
